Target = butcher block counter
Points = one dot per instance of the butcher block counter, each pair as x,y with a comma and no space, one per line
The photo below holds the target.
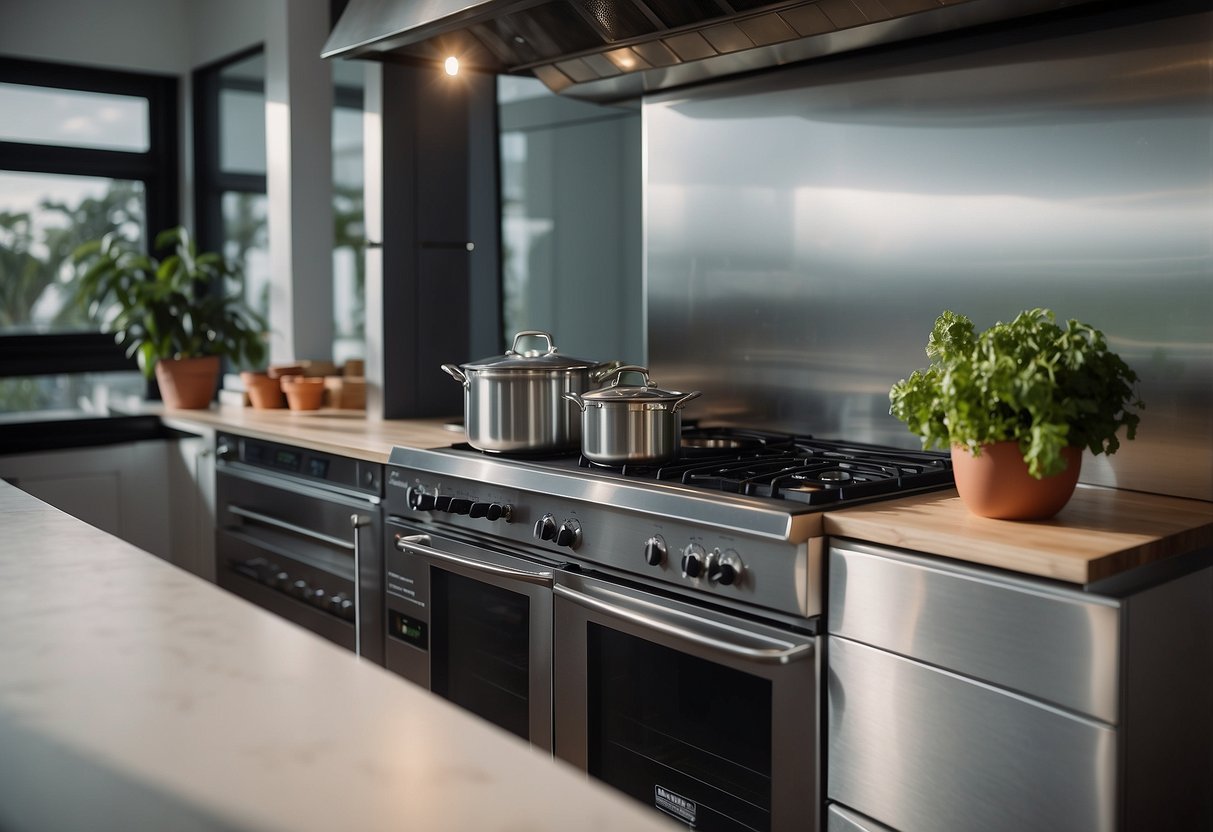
344,432
135,696
1101,533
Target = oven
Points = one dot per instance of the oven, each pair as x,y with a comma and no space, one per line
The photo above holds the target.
298,533
710,717
472,624
657,627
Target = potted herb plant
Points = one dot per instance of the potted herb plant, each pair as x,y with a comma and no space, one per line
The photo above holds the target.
177,316
1017,404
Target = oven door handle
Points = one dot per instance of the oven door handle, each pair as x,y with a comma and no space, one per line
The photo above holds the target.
727,649
258,517
420,544
357,522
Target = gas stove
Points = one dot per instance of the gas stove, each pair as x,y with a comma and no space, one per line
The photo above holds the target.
736,516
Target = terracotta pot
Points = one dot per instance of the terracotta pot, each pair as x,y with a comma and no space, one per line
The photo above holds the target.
188,383
264,392
303,393
997,483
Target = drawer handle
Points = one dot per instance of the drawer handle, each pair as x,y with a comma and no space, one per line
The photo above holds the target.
258,517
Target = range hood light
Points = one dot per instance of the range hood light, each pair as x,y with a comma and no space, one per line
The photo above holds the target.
451,65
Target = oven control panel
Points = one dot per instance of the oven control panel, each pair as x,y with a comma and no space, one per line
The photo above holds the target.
719,560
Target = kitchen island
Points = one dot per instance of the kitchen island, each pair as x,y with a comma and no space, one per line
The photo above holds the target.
136,696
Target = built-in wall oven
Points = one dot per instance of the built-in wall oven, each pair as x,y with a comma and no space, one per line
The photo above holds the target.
299,534
656,627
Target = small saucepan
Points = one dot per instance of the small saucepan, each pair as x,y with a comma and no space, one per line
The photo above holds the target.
630,425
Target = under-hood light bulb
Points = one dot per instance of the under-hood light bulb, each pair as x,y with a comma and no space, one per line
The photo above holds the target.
451,65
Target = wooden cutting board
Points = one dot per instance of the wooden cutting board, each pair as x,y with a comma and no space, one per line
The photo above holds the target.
1100,533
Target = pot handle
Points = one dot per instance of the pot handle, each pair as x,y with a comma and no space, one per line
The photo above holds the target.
532,333
455,373
629,368
576,399
678,404
605,370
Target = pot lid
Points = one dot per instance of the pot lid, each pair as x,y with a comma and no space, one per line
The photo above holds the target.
541,359
615,391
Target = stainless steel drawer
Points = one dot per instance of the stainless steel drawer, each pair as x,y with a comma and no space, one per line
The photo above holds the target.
1047,642
842,819
923,750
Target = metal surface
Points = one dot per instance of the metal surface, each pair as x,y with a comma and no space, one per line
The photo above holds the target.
794,728
712,641
780,543
804,228
615,49
924,750
1057,645
841,819
408,588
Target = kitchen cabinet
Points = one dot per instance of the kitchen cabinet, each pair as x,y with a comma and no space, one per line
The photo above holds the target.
967,698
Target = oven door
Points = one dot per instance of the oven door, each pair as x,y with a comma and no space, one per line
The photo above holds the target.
706,716
306,554
474,625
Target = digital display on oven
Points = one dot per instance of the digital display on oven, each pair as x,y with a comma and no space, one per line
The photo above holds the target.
408,629
287,460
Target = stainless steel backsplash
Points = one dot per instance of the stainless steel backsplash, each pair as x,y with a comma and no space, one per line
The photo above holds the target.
805,227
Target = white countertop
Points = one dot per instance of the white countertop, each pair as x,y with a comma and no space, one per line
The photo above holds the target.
134,695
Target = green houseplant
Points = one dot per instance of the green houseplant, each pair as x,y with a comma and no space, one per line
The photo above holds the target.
177,316
1031,391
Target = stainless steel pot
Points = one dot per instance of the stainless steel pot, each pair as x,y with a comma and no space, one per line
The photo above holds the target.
512,402
630,425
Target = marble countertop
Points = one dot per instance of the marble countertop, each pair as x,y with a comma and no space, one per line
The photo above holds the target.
134,695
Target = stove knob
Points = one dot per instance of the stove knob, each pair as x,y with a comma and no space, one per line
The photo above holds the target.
442,502
460,506
419,500
499,511
300,588
318,597
478,510
568,535
654,551
726,569
545,527
692,561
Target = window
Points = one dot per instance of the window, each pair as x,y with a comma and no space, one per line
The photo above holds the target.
83,152
349,231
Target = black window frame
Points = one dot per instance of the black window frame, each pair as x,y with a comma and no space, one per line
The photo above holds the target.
211,182
157,168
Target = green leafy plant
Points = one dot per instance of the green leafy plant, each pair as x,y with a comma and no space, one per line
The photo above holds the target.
187,305
1030,381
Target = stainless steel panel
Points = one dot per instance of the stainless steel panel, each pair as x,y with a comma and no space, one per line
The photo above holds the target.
841,819
1045,642
1168,725
923,750
805,227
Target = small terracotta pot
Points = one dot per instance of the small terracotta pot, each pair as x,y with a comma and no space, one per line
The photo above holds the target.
303,393
997,483
188,383
264,392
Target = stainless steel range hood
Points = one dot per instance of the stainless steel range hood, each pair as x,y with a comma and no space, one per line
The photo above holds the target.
608,50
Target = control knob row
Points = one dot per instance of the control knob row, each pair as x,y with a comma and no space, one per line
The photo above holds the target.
723,568
567,533
274,577
419,500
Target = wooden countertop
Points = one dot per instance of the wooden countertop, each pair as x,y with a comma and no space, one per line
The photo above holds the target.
345,432
1100,533
136,696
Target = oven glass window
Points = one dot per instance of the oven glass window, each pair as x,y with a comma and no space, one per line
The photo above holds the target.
686,735
480,646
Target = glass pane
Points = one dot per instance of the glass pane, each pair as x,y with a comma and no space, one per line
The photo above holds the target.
88,393
349,263
242,116
72,118
481,649
246,236
43,218
666,727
